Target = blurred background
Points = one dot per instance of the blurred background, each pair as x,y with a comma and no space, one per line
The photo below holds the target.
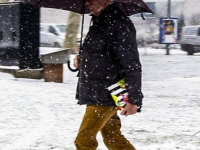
67,25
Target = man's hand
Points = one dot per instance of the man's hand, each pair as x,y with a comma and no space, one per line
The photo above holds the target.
129,109
77,61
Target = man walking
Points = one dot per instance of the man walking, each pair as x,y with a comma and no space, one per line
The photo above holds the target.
109,47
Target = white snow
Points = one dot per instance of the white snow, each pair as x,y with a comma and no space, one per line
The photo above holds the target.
38,115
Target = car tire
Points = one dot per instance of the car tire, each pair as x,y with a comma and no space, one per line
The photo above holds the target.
190,50
57,45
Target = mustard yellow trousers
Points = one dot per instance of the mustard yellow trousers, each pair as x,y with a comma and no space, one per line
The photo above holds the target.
105,120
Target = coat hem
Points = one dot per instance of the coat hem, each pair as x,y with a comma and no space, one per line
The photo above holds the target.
95,103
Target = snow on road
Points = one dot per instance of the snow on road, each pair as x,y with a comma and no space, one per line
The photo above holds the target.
38,115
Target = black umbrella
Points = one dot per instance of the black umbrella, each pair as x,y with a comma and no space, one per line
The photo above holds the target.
128,7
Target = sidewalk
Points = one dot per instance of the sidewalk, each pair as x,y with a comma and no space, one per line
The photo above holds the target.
38,115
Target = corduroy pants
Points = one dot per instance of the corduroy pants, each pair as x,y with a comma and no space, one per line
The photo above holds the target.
105,120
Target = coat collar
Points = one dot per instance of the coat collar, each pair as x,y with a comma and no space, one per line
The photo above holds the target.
110,11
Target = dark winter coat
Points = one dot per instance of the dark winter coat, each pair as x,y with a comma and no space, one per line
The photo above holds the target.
110,46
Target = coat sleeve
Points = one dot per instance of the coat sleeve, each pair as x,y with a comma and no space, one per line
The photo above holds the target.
123,44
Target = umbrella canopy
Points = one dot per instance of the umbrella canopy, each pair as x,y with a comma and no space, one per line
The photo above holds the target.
128,7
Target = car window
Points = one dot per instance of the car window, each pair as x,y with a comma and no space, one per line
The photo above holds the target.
198,31
62,28
191,31
51,29
41,28
1,35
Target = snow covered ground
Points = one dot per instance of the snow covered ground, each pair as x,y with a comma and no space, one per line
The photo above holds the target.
38,115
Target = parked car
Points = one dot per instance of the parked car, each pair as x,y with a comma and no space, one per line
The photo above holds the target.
190,39
53,35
